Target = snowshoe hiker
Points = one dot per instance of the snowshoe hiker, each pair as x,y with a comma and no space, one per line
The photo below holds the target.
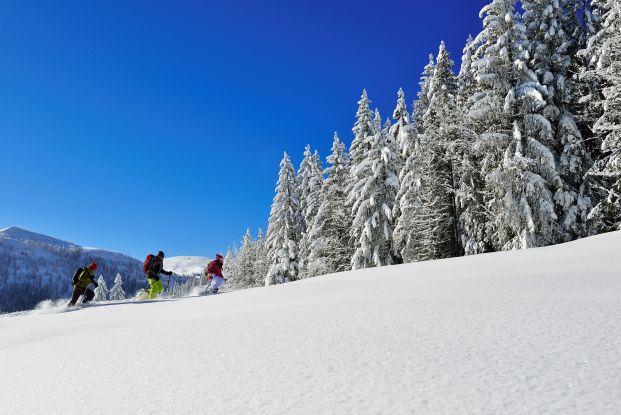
153,267
81,280
214,274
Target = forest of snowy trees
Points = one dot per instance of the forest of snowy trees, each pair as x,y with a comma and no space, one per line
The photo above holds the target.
520,149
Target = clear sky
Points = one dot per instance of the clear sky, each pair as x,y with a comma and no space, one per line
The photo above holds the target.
137,126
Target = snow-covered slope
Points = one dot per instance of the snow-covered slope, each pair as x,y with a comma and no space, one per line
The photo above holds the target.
524,332
186,265
34,267
21,235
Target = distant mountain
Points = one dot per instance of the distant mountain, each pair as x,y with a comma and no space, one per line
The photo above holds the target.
34,267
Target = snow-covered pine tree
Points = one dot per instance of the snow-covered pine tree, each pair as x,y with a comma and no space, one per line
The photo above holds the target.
363,127
470,181
303,177
492,66
329,233
230,268
245,276
580,24
401,130
420,105
605,51
552,53
117,293
404,137
310,179
282,233
588,99
101,292
406,234
262,264
437,217
372,199
523,184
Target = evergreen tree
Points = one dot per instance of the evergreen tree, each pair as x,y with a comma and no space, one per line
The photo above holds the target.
523,184
406,234
329,234
282,232
470,185
374,191
552,57
605,50
491,67
404,137
401,130
230,268
419,107
117,293
310,178
436,218
262,263
588,97
245,277
363,128
101,292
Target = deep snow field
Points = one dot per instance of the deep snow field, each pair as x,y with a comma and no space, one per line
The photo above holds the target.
524,332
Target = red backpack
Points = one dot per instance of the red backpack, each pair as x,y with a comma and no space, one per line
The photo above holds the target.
147,263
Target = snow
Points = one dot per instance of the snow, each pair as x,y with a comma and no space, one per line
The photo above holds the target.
23,235
186,265
521,332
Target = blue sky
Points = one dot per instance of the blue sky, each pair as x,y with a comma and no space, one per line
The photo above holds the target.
144,125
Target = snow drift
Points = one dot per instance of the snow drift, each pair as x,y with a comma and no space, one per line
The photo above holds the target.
535,331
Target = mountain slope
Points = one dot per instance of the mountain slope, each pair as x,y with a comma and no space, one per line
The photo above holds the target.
523,332
34,267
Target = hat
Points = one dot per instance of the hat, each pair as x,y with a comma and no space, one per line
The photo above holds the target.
93,266
219,256
160,254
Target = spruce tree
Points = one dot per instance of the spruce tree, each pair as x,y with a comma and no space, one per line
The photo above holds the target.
101,292
605,52
437,216
282,231
406,235
310,178
117,293
470,182
262,263
372,199
523,184
420,105
401,130
246,258
552,52
330,231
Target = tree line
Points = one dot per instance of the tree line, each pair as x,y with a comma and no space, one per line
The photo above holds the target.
520,149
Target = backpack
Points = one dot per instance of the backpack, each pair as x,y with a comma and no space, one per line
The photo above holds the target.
76,276
147,263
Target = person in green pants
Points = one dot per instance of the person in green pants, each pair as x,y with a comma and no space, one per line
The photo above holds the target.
156,267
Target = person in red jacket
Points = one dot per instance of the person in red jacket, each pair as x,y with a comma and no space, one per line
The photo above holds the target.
214,273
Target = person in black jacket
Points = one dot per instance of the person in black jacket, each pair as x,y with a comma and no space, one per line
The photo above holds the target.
156,267
81,280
